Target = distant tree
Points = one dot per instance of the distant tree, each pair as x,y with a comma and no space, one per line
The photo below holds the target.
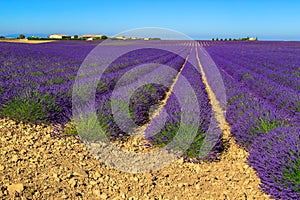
66,37
256,38
229,39
213,39
32,38
22,36
217,39
76,37
2,37
221,39
104,37
155,39
246,38
225,39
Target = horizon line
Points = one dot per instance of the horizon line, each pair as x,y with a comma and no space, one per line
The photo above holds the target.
192,38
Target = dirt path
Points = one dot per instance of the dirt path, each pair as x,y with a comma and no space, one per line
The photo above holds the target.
26,41
234,150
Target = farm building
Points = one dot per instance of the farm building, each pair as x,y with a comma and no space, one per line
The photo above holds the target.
92,36
121,37
59,36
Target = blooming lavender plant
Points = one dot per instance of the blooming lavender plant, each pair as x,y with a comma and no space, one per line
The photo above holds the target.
276,158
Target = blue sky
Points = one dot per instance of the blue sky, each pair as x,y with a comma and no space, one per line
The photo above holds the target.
198,19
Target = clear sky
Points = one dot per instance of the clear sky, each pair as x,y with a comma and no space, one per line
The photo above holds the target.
199,19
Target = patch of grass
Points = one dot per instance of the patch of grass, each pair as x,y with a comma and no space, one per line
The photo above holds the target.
31,107
166,135
193,151
38,73
70,129
236,97
57,71
293,175
296,74
14,75
49,82
170,134
246,76
266,126
298,105
57,64
149,87
271,76
7,63
96,65
71,77
41,66
59,80
34,85
90,128
101,87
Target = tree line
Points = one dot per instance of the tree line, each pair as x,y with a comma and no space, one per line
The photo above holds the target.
233,39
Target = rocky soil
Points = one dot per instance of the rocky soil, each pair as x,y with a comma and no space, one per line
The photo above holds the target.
36,165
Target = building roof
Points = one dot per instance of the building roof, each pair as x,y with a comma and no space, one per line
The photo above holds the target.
91,35
60,34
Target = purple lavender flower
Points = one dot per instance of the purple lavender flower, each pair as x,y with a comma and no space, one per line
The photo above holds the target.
276,158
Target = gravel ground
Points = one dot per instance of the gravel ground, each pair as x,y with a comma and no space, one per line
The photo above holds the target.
36,165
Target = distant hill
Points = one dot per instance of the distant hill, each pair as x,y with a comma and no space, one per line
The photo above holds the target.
40,35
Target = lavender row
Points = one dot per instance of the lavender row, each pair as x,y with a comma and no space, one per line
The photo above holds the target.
276,158
260,126
149,95
285,76
248,113
281,97
172,129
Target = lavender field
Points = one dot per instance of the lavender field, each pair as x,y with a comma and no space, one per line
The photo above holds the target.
261,81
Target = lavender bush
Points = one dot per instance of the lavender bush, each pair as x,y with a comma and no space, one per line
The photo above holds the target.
276,158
